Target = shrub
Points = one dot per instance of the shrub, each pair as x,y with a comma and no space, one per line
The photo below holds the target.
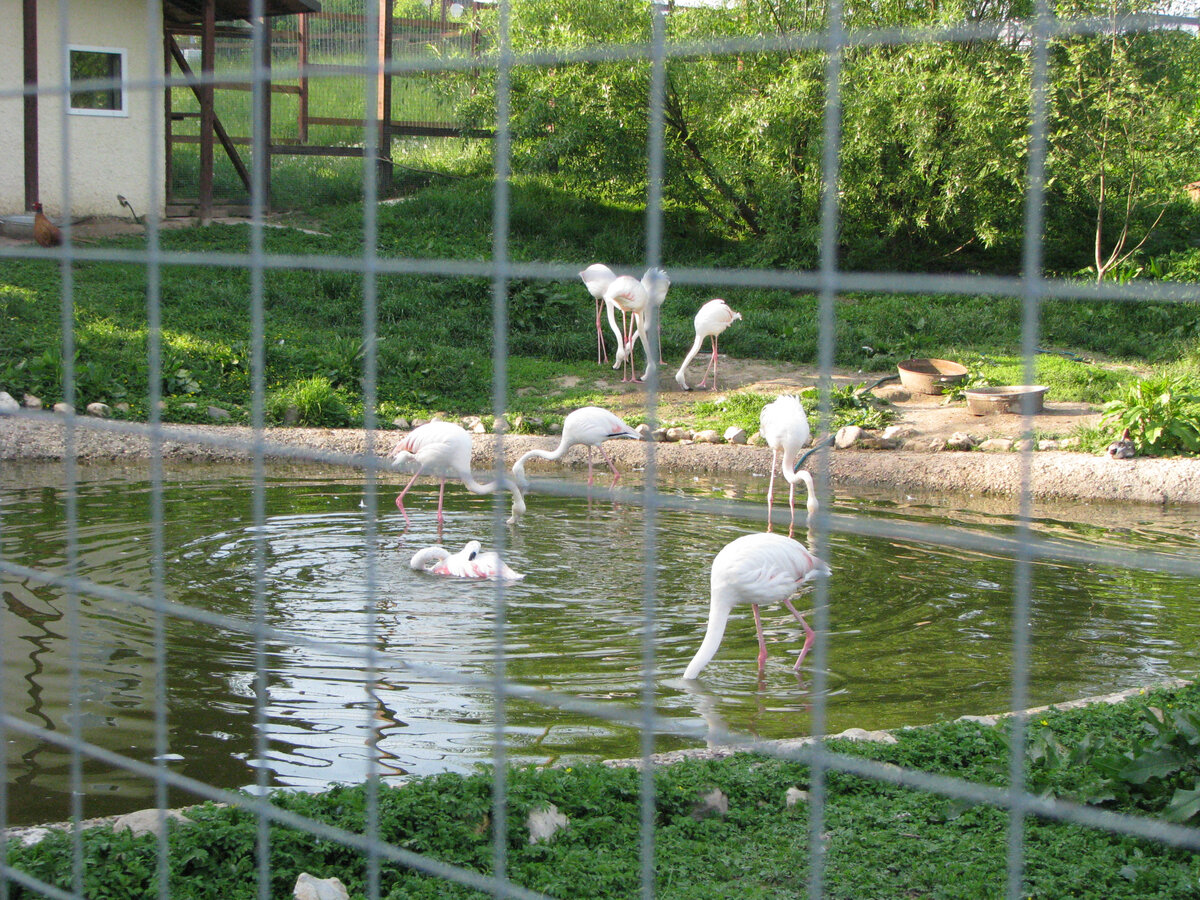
1162,415
316,402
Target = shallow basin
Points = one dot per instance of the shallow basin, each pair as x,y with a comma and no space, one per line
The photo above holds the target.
990,401
930,376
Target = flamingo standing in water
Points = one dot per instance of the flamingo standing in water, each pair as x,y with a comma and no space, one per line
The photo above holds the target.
444,449
712,319
784,426
590,426
469,562
639,300
756,569
597,277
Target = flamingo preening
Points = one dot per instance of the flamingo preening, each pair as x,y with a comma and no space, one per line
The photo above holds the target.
711,320
597,277
590,426
443,449
469,562
756,569
784,426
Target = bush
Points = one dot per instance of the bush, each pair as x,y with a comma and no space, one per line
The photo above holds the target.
1161,414
316,403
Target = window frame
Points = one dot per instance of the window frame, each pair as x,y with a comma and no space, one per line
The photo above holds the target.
123,89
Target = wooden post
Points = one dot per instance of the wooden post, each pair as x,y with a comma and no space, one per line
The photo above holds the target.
302,66
29,22
208,50
168,157
264,122
383,112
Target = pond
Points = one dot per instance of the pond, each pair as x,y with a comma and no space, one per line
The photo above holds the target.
918,633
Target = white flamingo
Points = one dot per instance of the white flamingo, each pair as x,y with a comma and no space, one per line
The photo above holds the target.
641,300
755,569
597,277
469,562
590,426
711,320
784,426
444,450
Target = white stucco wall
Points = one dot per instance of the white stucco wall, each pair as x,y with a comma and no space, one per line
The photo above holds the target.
108,155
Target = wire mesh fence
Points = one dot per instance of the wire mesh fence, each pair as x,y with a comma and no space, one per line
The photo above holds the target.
72,743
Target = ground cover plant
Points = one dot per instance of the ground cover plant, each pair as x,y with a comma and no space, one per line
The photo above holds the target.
880,841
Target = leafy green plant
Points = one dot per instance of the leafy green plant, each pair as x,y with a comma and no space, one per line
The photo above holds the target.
315,402
1162,415
1160,769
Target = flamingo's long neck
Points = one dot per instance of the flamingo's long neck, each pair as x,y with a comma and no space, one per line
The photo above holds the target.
691,354
718,615
794,477
490,487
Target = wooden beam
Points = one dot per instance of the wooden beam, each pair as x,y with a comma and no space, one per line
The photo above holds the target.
264,116
383,112
29,25
208,55
222,135
302,65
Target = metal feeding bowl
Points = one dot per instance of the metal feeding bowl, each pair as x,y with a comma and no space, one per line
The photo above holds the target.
930,376
991,401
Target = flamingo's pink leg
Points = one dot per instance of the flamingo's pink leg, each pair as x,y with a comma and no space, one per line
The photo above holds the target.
601,347
762,642
792,504
712,364
400,498
808,634
611,465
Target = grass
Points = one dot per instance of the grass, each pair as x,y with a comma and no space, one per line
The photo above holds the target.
880,841
434,352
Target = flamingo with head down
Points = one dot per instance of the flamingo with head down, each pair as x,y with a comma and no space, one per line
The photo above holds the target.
597,277
712,319
784,426
756,569
443,449
639,300
590,426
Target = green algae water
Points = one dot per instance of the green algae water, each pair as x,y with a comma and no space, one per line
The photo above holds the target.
918,633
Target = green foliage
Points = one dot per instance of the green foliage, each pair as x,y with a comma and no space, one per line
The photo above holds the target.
1162,415
314,402
1158,769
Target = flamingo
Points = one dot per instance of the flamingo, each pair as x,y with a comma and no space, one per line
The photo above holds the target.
712,319
468,562
784,427
597,277
641,300
588,425
445,448
755,569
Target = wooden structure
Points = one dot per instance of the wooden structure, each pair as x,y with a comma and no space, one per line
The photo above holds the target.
203,19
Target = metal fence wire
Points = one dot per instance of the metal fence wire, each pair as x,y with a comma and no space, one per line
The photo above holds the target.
828,281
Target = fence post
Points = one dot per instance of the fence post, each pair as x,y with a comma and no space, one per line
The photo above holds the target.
383,111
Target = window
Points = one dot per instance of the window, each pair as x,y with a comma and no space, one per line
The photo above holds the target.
98,65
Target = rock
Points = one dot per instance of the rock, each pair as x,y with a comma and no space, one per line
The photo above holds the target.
501,426
31,402
996,445
861,734
146,821
735,435
218,414
794,795
309,887
478,428
122,407
847,436
645,432
61,407
678,434
708,436
544,823
99,410
714,803
401,423
469,423
659,435
960,440
757,440
8,404
554,428
1049,444
1024,444
417,423
899,432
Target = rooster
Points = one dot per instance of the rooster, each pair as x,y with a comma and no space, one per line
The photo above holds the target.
45,232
